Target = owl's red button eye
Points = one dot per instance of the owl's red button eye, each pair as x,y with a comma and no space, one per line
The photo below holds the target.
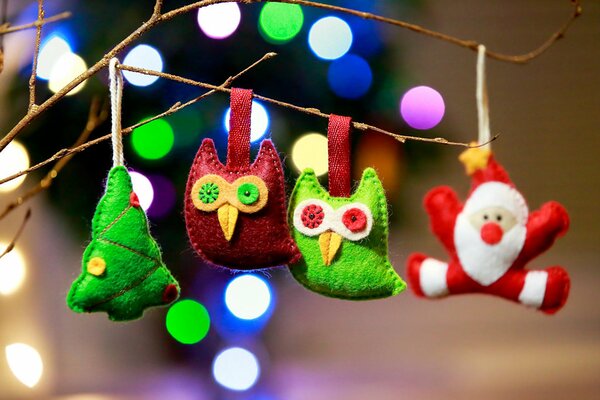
312,216
355,220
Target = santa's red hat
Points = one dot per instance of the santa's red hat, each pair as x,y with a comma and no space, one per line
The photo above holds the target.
491,186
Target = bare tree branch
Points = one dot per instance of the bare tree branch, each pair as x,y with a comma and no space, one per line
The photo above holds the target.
158,17
7,28
12,243
97,115
306,110
36,54
77,148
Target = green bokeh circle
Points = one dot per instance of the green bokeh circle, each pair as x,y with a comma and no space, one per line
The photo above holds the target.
280,22
153,140
188,321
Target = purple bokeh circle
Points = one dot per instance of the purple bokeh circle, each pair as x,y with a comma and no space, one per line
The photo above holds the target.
422,107
165,197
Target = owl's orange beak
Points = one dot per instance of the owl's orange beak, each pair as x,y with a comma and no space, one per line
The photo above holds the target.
228,215
329,242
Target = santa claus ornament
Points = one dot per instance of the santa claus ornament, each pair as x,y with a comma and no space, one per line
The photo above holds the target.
235,213
492,237
343,237
122,268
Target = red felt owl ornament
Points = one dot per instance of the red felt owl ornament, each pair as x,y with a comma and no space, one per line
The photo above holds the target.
235,213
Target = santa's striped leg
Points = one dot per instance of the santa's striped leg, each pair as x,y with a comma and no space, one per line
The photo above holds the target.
427,276
546,289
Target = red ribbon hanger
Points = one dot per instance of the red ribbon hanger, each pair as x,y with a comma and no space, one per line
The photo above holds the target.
338,147
238,143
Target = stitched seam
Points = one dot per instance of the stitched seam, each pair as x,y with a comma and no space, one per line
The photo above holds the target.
129,288
115,220
128,249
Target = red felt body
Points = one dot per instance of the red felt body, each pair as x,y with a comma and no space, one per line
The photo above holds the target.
261,239
543,226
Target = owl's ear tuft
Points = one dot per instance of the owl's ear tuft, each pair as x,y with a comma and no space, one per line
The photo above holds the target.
308,185
266,156
208,153
370,186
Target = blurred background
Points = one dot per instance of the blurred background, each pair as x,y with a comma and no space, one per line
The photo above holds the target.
262,336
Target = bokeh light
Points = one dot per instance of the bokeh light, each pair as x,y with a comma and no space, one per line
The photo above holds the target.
153,140
330,38
66,68
25,363
187,126
51,50
248,297
367,39
166,196
14,158
422,107
188,321
259,123
350,76
143,188
236,369
143,56
310,151
219,21
280,22
12,270
386,155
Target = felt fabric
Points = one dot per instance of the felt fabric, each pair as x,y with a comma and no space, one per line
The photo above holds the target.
122,268
359,269
490,240
234,230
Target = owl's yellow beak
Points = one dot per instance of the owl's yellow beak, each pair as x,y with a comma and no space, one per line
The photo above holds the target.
329,242
228,215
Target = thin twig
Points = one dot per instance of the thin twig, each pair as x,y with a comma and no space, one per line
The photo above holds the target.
36,53
97,115
158,8
4,18
469,44
7,28
174,108
158,17
306,110
12,243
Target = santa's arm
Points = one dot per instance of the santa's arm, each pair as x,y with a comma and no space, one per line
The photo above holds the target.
442,205
543,227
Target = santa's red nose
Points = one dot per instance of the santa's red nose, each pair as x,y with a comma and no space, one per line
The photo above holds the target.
491,233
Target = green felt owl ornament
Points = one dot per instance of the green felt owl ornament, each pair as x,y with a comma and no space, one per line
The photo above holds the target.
343,239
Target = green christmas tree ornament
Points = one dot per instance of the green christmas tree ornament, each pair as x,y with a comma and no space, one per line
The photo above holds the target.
122,268
343,237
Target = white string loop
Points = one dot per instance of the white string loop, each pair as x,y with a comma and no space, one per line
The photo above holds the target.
116,97
483,111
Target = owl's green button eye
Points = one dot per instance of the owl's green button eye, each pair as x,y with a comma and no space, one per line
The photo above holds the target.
248,193
208,193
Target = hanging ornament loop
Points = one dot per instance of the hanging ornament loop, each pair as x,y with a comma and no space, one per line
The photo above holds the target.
483,111
240,118
116,98
338,148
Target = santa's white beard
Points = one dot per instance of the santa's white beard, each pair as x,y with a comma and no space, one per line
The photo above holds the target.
483,262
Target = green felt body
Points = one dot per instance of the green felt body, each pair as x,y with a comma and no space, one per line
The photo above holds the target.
135,277
361,269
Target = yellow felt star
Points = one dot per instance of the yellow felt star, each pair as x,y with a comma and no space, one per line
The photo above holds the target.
475,158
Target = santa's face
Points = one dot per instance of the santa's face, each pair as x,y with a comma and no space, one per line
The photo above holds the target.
492,223
487,242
